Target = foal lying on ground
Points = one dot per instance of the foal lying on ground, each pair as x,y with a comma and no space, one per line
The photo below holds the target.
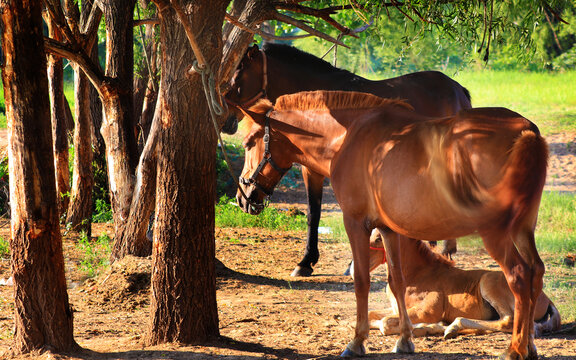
437,293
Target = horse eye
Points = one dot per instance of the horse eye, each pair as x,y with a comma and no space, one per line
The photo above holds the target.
238,90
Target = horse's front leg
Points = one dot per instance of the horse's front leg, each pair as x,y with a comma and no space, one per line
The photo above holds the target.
314,185
392,244
359,242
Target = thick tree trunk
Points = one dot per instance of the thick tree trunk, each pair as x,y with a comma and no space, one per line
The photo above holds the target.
59,123
43,317
183,307
80,209
118,127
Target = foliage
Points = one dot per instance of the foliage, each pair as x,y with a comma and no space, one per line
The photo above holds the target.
4,248
102,211
449,36
228,214
225,184
95,253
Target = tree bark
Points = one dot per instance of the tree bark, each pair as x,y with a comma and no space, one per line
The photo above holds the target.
118,127
132,238
43,317
183,306
80,210
59,123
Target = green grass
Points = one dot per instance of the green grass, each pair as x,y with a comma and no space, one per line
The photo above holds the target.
556,228
548,99
228,214
4,248
95,254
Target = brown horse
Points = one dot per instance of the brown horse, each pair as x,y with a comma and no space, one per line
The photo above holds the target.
409,176
438,293
278,70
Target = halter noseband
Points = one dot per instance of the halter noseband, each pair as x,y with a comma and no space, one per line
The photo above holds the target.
262,93
266,159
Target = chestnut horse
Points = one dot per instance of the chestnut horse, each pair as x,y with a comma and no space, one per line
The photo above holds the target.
438,293
481,171
278,70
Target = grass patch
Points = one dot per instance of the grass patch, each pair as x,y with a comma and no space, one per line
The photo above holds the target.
95,253
228,214
555,232
4,248
548,99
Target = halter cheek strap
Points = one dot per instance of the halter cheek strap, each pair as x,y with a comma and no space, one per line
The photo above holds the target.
266,159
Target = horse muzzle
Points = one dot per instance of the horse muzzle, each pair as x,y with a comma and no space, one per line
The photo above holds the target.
251,203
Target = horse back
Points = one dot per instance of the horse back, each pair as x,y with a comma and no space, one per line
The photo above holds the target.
431,93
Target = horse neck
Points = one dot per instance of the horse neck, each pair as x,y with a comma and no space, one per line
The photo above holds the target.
284,78
418,258
317,138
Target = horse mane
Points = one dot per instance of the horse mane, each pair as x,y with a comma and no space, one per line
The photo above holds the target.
430,255
301,59
335,100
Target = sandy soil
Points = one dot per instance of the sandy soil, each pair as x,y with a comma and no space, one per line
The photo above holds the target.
263,312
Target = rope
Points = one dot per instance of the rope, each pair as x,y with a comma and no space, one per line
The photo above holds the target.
201,66
217,109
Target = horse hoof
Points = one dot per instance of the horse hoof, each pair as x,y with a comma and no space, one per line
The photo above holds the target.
450,333
514,355
403,347
351,353
302,271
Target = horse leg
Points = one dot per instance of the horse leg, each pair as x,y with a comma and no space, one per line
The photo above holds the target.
398,287
449,248
524,277
314,184
359,243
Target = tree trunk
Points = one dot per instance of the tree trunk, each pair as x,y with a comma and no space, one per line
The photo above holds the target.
43,317
80,209
118,127
132,238
59,123
183,307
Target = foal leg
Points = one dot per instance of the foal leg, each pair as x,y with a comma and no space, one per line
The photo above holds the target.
314,184
398,287
359,242
524,277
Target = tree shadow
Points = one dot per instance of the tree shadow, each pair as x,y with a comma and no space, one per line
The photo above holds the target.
259,352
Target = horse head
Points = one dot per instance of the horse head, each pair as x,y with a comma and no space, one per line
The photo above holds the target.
266,160
248,85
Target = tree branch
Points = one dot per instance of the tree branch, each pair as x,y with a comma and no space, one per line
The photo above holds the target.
267,36
92,70
308,29
323,14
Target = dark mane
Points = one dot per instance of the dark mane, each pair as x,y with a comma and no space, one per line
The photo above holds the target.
297,57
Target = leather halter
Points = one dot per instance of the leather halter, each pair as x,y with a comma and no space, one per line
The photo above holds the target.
266,159
262,92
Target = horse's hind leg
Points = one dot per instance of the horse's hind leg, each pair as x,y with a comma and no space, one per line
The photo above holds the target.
516,253
392,244
359,242
314,185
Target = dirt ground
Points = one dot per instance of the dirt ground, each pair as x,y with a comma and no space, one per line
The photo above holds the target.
263,312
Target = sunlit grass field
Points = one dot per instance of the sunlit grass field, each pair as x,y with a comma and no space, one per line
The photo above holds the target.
548,99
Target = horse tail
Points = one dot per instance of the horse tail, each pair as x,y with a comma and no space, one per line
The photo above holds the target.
525,175
550,322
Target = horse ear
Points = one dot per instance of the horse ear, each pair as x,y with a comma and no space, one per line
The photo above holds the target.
253,50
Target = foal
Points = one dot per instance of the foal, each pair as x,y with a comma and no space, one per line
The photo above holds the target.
437,293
